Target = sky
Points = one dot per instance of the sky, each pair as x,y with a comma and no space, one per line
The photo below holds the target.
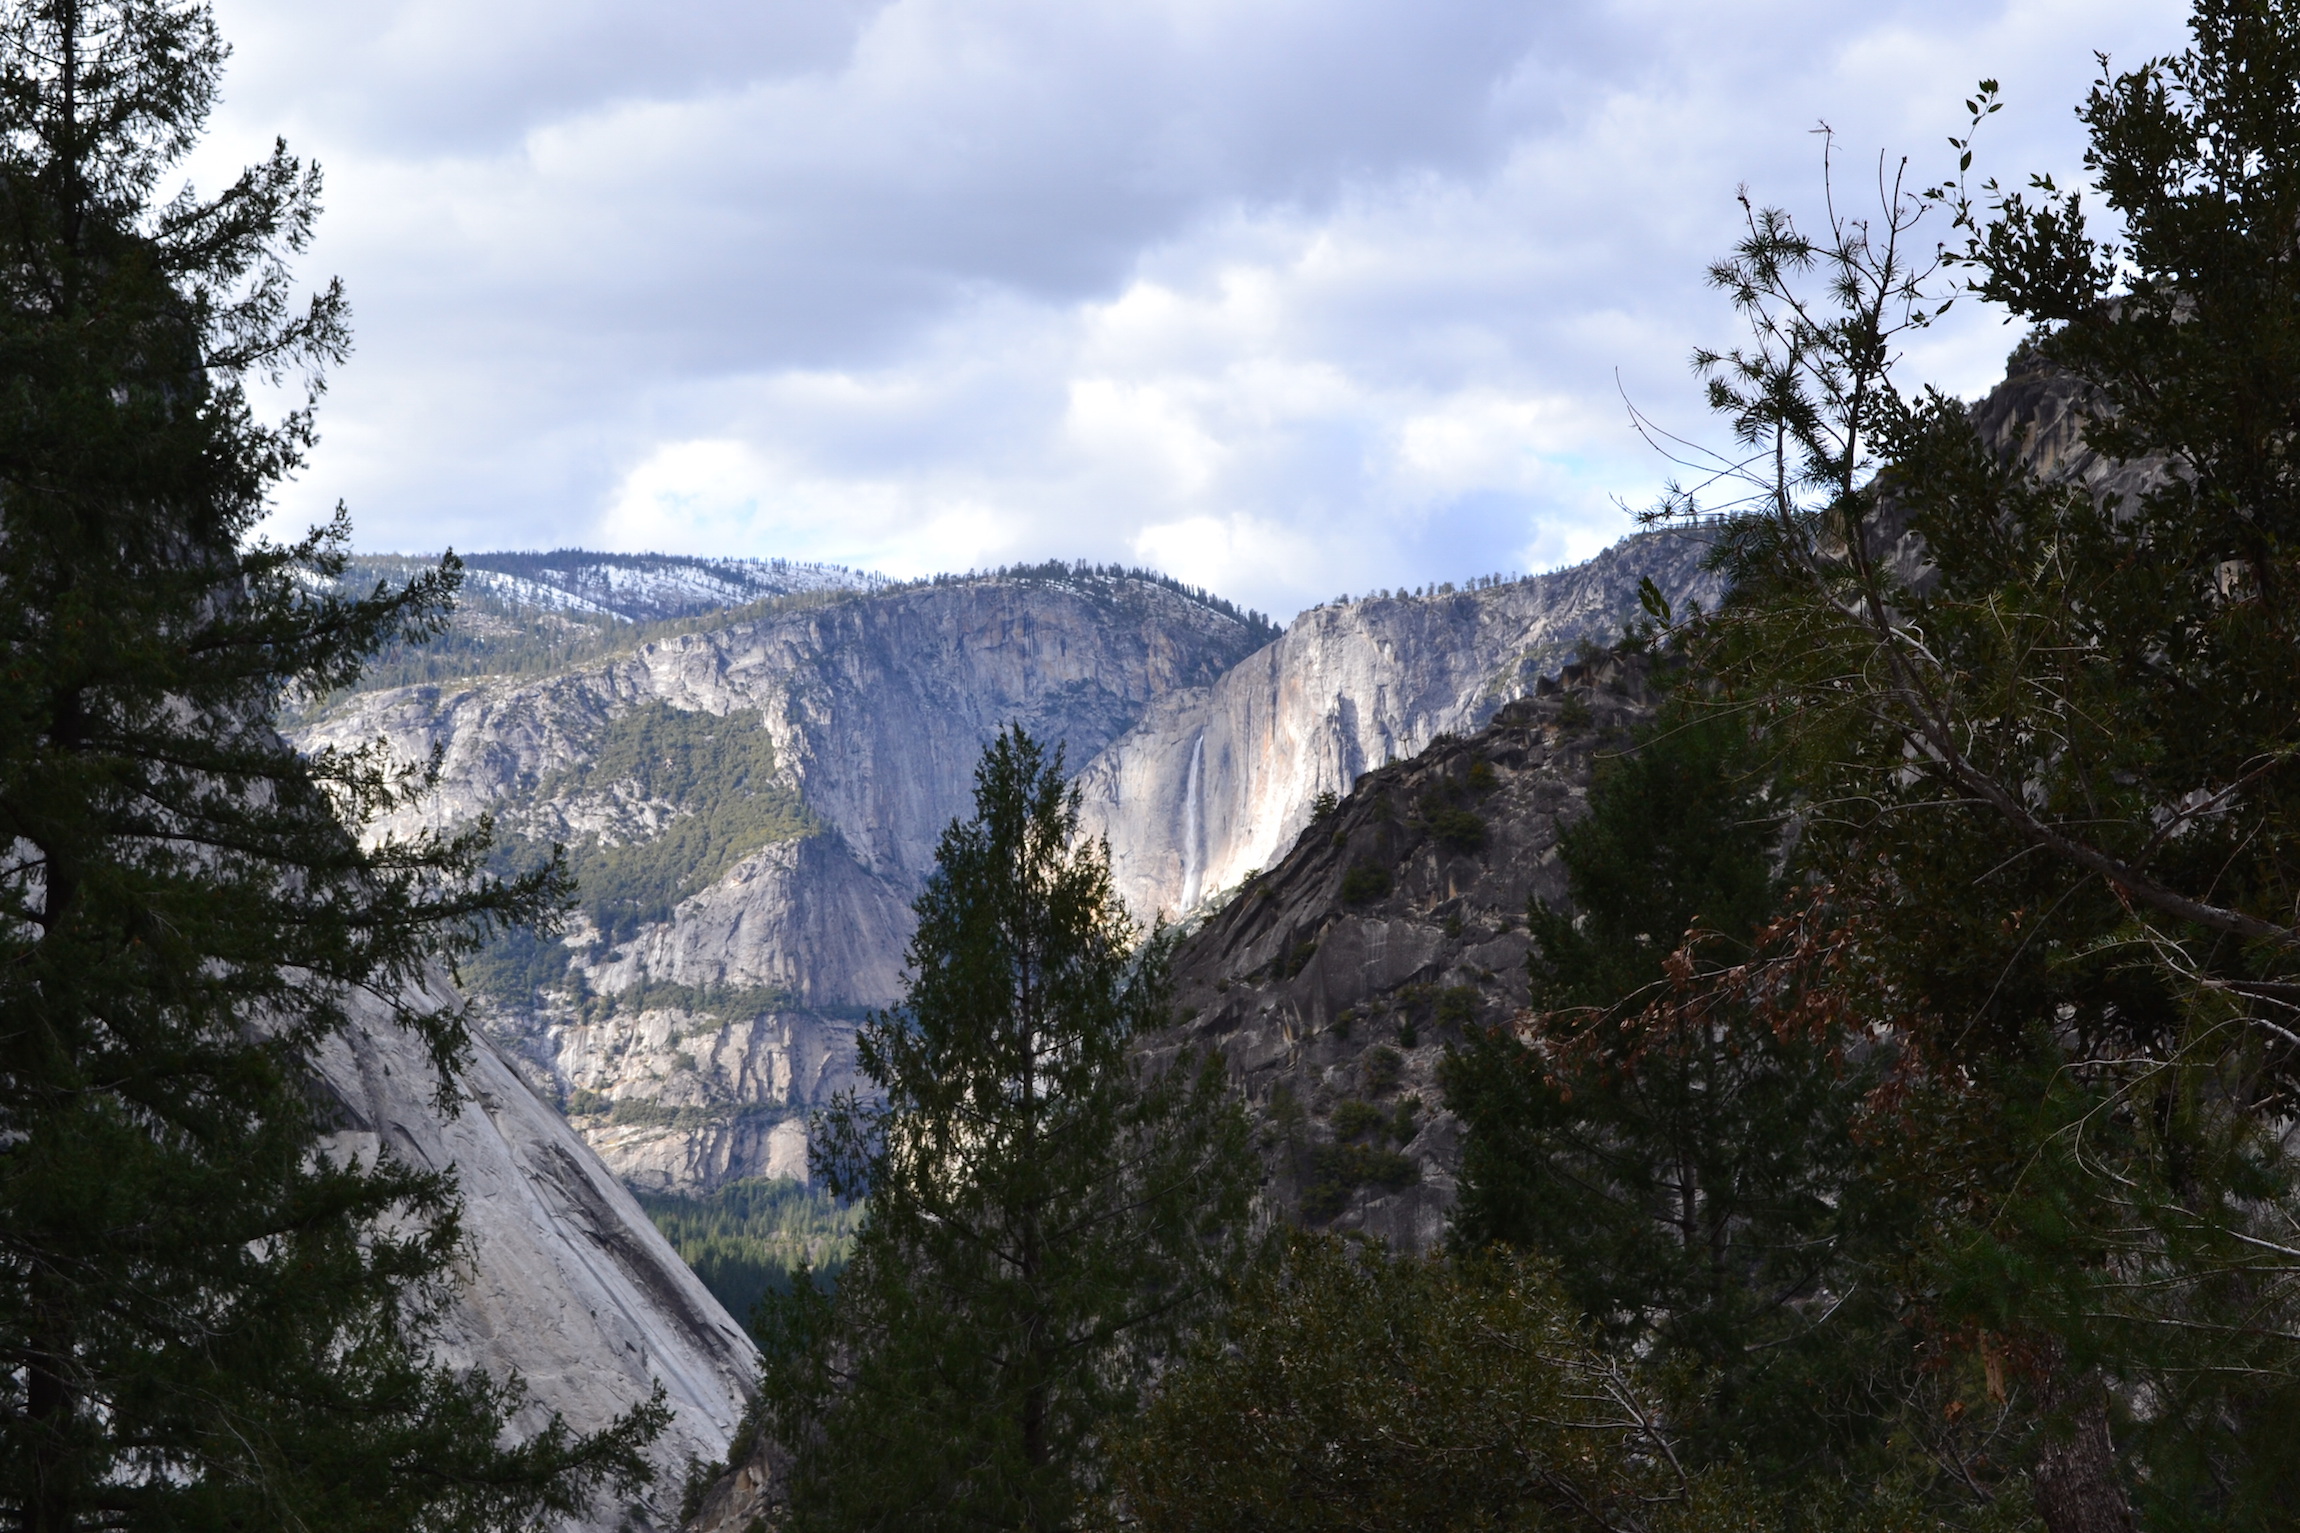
1288,298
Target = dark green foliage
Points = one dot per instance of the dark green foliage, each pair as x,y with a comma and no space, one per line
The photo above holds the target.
1364,883
747,1239
1351,1391
1338,1170
516,965
1692,1171
1680,831
1297,958
1382,1068
639,1112
2054,787
1456,1006
1451,826
1354,1119
1046,1214
1323,806
207,1320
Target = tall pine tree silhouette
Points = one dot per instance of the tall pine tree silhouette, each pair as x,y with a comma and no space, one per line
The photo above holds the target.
206,1321
1047,1210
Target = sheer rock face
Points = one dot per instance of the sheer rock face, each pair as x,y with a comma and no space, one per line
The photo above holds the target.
1216,782
566,1281
1333,982
687,1051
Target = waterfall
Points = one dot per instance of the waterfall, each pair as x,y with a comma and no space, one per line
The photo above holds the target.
1193,856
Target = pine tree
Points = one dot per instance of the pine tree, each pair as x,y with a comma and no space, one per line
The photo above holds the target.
1690,1166
206,1320
1047,1211
2037,671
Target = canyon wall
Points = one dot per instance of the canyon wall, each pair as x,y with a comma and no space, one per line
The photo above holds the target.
686,1042
752,798
1214,782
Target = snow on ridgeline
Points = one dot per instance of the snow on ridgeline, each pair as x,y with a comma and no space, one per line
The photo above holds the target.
632,588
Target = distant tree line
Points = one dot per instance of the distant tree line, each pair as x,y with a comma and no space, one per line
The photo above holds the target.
746,1240
529,565
1056,571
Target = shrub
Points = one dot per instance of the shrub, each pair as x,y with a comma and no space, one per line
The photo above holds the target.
1364,883
1457,830
1383,1066
1337,1170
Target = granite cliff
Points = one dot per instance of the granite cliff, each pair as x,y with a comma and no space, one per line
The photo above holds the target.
751,800
565,1282
750,796
1334,982
1214,782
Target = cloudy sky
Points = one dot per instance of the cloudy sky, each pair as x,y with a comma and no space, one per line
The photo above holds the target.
1287,297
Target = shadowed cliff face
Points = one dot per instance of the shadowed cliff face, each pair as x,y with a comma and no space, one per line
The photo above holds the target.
1334,982
1214,782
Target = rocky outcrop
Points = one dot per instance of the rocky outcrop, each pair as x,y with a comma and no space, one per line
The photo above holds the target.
566,1281
1214,782
1334,981
685,1047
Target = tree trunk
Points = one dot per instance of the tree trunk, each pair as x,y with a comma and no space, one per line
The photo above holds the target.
2077,1488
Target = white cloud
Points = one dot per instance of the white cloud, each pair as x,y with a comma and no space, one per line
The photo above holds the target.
722,496
1293,297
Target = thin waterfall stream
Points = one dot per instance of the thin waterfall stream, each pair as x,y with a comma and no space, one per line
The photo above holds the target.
1193,856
